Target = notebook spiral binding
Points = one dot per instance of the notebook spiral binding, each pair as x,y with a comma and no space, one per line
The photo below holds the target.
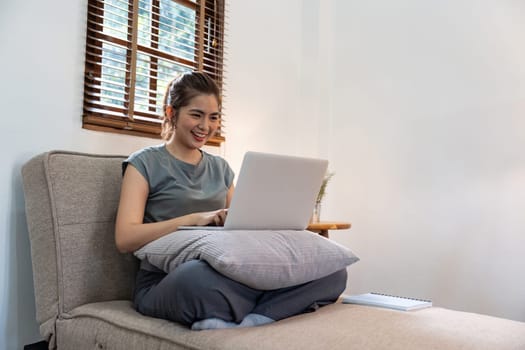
388,301
400,297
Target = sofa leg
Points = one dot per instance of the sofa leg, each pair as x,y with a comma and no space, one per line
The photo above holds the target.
41,345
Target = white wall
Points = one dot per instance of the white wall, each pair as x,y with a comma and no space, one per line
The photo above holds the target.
428,101
266,80
418,106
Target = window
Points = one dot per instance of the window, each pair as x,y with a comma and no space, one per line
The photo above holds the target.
135,47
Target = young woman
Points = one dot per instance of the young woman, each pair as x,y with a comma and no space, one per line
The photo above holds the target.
176,183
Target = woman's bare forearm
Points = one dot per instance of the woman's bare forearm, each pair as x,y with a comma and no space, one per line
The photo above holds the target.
132,236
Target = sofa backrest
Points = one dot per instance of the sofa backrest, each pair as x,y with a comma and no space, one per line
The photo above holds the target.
71,201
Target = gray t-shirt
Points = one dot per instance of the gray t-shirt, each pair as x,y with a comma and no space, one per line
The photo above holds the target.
178,188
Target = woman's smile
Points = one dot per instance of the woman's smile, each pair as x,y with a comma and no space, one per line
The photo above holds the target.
199,135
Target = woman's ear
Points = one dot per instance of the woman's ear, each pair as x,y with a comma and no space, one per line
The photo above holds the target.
169,112
171,116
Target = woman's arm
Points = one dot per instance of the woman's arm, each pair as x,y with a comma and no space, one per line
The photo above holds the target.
130,231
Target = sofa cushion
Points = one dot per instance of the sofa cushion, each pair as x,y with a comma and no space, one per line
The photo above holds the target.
263,260
115,325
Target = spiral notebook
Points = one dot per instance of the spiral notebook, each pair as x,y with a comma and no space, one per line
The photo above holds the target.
387,301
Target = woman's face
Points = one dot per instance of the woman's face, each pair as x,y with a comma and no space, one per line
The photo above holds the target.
197,122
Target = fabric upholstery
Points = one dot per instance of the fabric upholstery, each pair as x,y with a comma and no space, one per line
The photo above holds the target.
71,201
263,260
43,244
115,325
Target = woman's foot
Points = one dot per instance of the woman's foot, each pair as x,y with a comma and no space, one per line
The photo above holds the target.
250,320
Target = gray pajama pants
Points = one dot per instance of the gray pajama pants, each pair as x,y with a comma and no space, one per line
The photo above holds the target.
195,291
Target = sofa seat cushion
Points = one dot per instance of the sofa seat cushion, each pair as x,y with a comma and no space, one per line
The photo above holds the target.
116,325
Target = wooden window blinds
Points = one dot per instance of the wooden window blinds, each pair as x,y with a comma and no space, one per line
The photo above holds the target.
135,47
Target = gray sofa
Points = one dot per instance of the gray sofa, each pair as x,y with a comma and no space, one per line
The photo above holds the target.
83,284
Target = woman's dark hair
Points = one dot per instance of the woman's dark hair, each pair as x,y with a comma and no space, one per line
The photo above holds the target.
179,93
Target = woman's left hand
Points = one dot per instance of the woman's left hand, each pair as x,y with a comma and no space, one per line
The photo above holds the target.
215,217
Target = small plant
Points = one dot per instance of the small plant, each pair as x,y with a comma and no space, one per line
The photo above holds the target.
322,190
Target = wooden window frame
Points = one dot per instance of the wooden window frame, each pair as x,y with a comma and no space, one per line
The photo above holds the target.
126,119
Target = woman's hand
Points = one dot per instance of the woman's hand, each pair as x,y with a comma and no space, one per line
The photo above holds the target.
215,217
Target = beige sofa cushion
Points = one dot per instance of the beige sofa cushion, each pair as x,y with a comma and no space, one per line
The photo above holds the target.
335,327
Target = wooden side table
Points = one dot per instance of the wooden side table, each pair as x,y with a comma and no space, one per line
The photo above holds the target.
323,227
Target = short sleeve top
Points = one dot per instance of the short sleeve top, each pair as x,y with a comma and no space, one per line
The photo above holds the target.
178,188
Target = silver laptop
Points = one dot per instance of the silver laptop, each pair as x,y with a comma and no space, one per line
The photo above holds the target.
273,192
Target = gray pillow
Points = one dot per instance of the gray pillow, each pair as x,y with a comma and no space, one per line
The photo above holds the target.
263,260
